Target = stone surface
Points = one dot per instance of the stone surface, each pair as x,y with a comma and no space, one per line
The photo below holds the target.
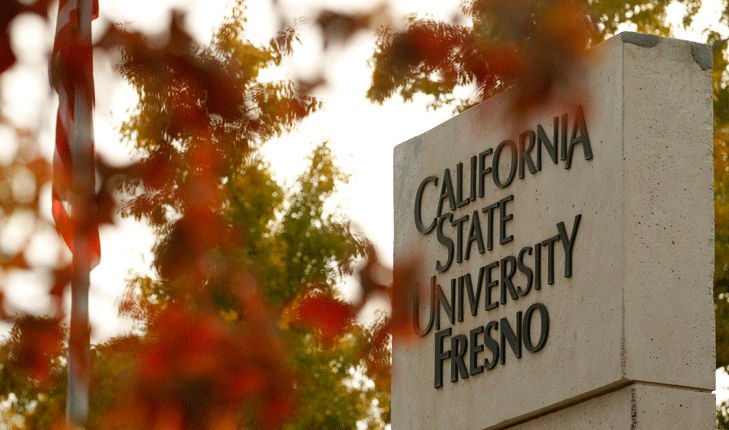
668,218
638,305
636,407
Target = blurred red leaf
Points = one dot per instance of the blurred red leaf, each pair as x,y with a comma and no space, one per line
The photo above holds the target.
321,311
194,371
61,281
177,62
10,9
3,315
403,292
41,168
38,342
533,46
15,262
274,411
371,274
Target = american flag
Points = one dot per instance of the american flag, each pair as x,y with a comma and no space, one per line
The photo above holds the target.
72,77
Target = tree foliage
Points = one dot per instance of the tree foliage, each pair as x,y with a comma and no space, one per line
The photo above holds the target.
531,45
721,192
241,325
536,44
721,206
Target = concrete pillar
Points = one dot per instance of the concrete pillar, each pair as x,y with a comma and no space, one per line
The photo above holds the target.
573,249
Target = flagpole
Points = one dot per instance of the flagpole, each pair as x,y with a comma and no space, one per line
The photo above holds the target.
77,400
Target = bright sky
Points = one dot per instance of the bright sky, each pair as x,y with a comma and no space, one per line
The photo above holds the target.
363,134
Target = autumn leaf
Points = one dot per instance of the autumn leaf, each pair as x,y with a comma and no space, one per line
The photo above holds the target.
326,314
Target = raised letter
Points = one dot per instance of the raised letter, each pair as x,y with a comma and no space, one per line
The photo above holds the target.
503,217
584,138
418,207
474,166
523,268
475,349
497,158
459,238
459,345
568,244
446,193
506,275
440,355
564,137
527,327
483,171
538,266
445,240
489,211
474,235
549,243
490,284
416,309
461,297
492,345
449,308
525,153
459,187
508,335
542,139
474,298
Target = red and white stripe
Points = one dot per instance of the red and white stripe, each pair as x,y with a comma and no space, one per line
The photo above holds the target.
72,76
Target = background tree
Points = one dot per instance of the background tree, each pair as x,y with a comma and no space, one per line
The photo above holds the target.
242,324
257,249
721,204
531,46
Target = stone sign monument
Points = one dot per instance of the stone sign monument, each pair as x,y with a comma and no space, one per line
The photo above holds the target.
565,258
